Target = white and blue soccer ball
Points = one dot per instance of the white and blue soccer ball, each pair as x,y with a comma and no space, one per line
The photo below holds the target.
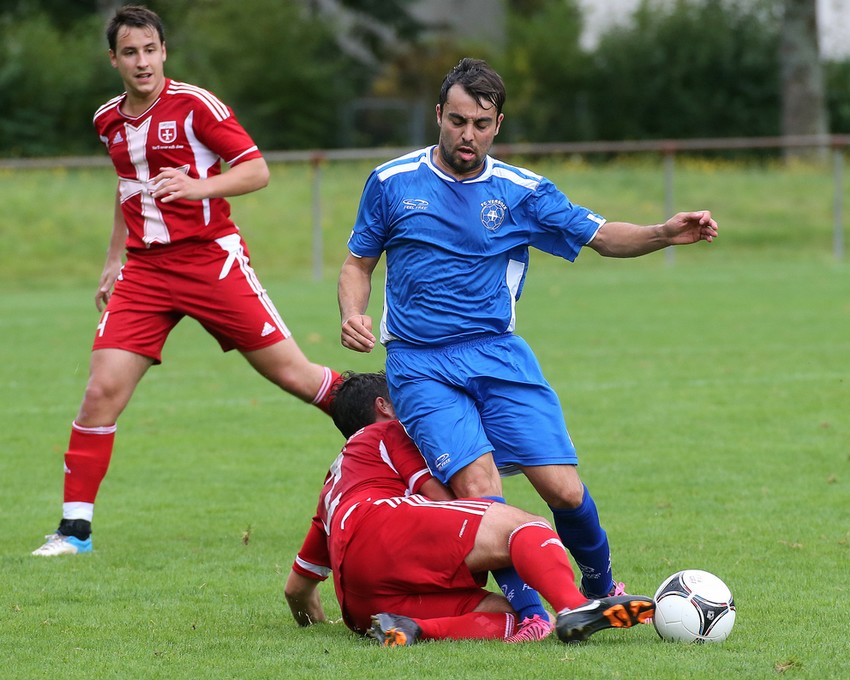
694,606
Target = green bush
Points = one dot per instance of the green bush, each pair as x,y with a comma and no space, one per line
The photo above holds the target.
51,82
696,69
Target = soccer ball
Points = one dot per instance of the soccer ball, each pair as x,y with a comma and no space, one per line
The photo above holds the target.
694,606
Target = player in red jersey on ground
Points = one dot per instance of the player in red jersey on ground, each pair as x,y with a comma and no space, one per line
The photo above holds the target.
184,256
410,561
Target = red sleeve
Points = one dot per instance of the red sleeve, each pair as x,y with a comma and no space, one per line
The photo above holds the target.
406,458
313,560
218,129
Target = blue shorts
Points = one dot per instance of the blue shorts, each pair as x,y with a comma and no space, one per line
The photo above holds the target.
460,401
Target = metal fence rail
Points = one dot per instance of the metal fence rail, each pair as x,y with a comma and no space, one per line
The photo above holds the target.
668,148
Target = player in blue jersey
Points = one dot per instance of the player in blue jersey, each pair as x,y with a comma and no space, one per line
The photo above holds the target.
456,226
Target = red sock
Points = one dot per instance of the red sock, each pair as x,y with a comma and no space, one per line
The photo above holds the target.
541,561
86,461
325,395
472,626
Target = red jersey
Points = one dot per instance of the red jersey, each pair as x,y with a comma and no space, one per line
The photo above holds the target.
379,461
186,128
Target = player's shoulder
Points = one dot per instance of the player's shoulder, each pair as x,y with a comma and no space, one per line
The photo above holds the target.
407,163
513,174
367,435
395,427
390,432
196,96
384,428
110,106
397,440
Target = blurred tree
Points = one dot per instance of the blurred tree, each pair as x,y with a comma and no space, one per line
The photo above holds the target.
837,77
284,75
51,81
698,68
545,72
803,97
399,109
324,73
378,25
60,13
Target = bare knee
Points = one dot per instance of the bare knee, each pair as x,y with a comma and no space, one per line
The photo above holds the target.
478,479
510,517
287,367
103,401
113,376
558,485
492,548
475,488
567,498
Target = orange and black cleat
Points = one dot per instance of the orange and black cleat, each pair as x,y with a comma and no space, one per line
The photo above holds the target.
620,611
393,630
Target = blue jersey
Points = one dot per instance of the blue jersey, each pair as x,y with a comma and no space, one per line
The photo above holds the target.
457,251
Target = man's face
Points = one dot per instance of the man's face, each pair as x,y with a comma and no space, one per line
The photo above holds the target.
467,129
139,57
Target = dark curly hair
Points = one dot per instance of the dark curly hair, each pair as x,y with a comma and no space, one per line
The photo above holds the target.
480,81
353,405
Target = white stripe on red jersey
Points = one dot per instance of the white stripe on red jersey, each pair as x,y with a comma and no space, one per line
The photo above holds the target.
215,105
379,461
470,506
187,128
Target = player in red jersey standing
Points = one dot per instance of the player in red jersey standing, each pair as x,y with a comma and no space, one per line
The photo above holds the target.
184,256
401,545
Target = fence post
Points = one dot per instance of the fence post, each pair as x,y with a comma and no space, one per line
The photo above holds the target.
838,201
317,217
669,170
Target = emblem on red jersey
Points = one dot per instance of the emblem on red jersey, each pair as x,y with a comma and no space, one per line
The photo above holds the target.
168,131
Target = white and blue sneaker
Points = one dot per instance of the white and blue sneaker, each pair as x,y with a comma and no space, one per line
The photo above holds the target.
59,544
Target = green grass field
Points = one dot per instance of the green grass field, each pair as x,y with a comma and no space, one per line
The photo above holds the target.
708,395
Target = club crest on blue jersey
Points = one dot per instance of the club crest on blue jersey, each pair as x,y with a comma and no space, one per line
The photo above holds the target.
493,214
167,131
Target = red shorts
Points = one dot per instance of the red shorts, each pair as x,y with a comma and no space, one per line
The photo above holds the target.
212,282
406,556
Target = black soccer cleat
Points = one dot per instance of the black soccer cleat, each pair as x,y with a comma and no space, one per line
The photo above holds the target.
393,630
619,611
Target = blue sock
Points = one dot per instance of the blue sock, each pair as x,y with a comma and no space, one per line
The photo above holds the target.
587,542
523,598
